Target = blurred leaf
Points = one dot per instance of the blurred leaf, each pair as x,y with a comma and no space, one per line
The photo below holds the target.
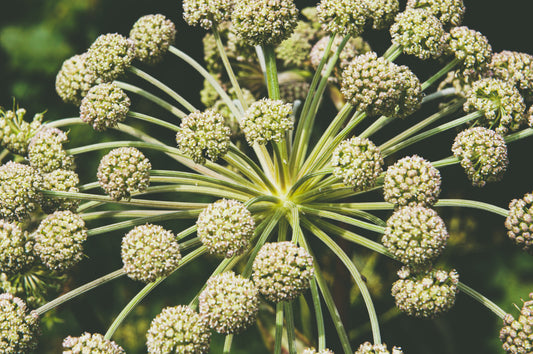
34,49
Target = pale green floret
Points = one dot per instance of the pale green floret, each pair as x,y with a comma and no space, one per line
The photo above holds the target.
93,343
354,47
152,35
419,33
343,17
415,235
314,351
472,49
19,191
19,328
104,106
264,22
379,87
229,303
46,152
514,67
75,79
427,294
502,105
519,223
59,240
123,171
15,132
517,334
178,329
382,12
225,227
358,162
203,135
482,153
109,56
282,271
412,181
369,348
15,248
267,120
206,13
149,252
529,115
294,51
60,181
449,12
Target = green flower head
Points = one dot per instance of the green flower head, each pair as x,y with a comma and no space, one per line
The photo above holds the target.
151,36
93,343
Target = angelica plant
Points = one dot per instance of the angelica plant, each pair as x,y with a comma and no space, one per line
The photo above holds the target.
295,157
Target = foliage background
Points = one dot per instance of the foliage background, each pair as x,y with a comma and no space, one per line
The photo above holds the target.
36,36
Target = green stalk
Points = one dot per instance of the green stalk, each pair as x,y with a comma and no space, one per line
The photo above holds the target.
482,300
162,87
335,248
158,101
78,291
304,124
472,204
227,344
349,211
150,119
449,91
428,133
321,331
289,320
202,188
190,214
193,178
271,72
146,290
325,140
267,226
118,214
330,304
132,201
353,237
278,337
448,161
259,176
519,135
229,69
305,178
260,150
421,125
393,52
377,125
440,73
342,218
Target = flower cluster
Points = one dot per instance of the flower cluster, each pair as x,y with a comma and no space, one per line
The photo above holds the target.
149,252
369,348
20,327
91,343
519,223
517,334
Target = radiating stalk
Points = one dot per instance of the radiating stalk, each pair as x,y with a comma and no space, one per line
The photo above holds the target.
278,336
342,218
159,101
356,276
79,290
473,204
146,290
321,332
482,300
440,73
153,120
227,344
289,320
162,87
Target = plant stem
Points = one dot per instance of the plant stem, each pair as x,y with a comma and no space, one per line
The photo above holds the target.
342,218
78,291
321,331
271,72
150,119
146,290
278,337
472,204
289,320
377,125
419,126
227,344
428,133
440,73
482,300
162,87
449,91
335,248
159,101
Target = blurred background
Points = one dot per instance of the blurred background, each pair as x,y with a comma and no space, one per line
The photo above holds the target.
37,36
